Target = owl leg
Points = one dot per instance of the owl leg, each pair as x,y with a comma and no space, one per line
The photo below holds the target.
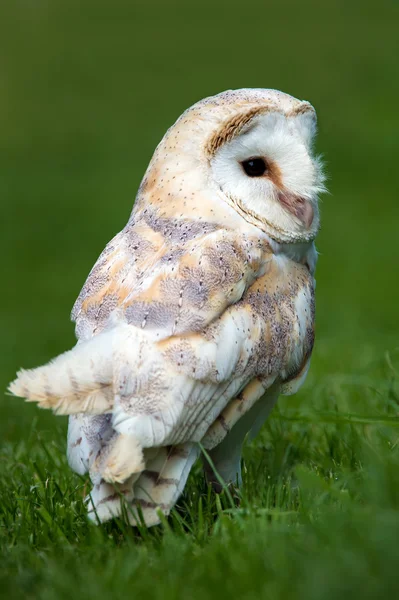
226,456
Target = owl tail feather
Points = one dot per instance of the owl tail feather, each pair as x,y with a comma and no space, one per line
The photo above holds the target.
77,381
156,489
160,485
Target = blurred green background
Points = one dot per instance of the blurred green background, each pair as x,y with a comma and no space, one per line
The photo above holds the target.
87,89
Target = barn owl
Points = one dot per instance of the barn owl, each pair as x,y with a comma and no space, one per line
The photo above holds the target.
200,312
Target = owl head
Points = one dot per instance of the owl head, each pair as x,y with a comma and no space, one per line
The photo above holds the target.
251,149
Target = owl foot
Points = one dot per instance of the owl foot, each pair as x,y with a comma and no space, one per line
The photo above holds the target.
121,458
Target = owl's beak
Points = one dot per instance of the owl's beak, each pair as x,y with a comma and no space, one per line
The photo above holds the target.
300,207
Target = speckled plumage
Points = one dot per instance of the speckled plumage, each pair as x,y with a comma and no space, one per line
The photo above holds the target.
199,312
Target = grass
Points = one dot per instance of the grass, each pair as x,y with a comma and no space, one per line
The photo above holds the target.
85,94
318,515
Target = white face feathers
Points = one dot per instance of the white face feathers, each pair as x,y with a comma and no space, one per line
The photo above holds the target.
268,173
253,149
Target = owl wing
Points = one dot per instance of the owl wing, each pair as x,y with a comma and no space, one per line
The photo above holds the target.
169,292
168,287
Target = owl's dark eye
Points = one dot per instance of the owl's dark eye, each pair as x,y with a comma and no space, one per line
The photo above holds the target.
254,167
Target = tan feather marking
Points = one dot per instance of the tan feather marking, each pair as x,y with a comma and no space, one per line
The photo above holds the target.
274,173
300,110
113,287
234,125
179,451
108,498
112,497
155,238
157,478
223,423
148,504
232,128
74,383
